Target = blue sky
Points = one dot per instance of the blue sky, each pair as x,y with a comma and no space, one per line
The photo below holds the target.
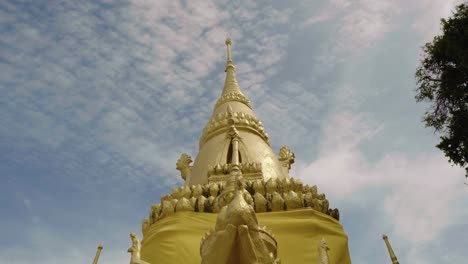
99,99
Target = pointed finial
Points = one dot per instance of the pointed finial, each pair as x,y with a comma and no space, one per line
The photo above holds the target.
229,56
98,252
390,250
228,44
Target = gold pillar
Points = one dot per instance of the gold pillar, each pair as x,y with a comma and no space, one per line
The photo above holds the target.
229,56
390,250
235,151
98,252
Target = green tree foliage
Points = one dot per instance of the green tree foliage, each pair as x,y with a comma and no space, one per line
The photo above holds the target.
442,79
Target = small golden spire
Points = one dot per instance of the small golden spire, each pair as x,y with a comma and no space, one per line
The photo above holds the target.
390,250
229,63
98,252
230,84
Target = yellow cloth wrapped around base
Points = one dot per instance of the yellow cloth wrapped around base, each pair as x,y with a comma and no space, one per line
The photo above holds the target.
175,239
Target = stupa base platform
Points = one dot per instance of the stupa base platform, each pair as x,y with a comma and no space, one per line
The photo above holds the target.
176,238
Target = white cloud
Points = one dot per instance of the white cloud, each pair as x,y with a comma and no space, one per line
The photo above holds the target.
46,247
419,196
362,24
130,87
427,15
359,24
124,79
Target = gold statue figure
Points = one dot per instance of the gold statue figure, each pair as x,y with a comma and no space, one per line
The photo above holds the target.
323,252
135,250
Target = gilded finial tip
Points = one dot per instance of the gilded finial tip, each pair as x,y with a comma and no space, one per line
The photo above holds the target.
228,41
384,236
100,246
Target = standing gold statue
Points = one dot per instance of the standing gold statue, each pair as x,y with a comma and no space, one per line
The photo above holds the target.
323,252
135,250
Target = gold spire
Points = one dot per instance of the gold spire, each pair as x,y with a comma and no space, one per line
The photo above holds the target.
253,147
390,250
98,252
231,90
229,56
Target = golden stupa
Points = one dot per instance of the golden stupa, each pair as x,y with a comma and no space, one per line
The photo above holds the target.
238,203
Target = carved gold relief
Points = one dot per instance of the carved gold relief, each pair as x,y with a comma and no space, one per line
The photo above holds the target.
250,171
293,201
239,119
273,195
233,97
184,204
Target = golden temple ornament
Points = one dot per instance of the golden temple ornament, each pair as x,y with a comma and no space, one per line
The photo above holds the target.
183,165
237,237
134,250
235,185
390,250
98,253
323,252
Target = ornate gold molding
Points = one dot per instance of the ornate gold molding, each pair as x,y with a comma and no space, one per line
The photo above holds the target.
220,122
233,97
250,171
270,196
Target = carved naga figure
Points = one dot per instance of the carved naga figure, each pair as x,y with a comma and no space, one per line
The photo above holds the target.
286,158
135,251
237,238
183,165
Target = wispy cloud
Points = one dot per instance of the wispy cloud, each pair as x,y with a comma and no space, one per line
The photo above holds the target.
45,246
98,100
426,14
358,25
419,196
121,78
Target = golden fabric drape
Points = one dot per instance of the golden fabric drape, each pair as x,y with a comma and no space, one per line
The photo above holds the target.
176,238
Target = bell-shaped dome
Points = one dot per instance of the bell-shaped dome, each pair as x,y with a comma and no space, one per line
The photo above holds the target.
257,159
